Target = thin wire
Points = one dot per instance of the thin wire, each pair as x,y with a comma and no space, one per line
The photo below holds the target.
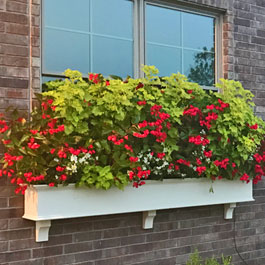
235,239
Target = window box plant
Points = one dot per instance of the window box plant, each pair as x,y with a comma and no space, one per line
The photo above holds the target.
101,133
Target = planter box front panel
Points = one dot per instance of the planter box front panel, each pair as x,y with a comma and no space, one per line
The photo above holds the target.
43,202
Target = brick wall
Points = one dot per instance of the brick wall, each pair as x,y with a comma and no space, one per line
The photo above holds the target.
119,239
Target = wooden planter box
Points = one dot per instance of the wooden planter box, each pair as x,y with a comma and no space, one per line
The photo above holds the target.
43,203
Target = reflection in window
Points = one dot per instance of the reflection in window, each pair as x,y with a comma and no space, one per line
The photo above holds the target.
202,69
178,41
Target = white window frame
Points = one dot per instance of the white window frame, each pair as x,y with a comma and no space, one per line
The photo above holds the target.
139,32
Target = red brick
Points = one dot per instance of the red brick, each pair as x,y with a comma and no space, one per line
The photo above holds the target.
36,52
9,71
3,224
14,39
35,10
15,18
17,29
15,201
2,26
23,244
2,4
16,7
3,246
3,201
21,233
78,247
16,223
10,213
47,251
13,82
15,61
17,255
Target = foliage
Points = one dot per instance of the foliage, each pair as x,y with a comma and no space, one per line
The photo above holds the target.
195,259
100,133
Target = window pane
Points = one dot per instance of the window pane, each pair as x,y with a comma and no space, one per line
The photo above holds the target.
166,59
180,41
112,56
113,18
163,25
64,49
198,31
67,14
199,67
88,35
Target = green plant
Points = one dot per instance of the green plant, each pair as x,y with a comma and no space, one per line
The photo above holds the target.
108,132
195,259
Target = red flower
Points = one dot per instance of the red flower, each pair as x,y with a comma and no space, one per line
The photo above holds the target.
59,168
107,83
63,177
208,154
192,111
133,159
258,157
51,184
184,162
245,177
6,141
161,155
139,135
141,103
200,170
189,91
198,161
52,151
254,127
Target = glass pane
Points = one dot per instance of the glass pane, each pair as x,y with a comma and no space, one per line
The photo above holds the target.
166,59
113,17
163,25
67,14
199,67
112,56
198,31
64,49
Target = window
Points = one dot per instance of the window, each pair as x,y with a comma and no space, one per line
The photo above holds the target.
118,36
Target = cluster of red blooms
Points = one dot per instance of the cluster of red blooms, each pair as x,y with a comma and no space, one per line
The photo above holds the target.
220,108
199,140
94,78
192,111
253,127
115,140
222,164
3,126
157,131
138,174
141,102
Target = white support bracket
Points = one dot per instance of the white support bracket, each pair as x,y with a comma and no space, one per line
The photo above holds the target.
42,230
228,210
148,219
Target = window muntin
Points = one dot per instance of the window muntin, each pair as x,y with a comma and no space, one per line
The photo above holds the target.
106,38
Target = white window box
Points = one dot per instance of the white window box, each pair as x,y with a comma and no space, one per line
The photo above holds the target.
43,203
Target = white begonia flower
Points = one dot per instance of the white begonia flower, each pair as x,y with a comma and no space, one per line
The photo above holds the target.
73,158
